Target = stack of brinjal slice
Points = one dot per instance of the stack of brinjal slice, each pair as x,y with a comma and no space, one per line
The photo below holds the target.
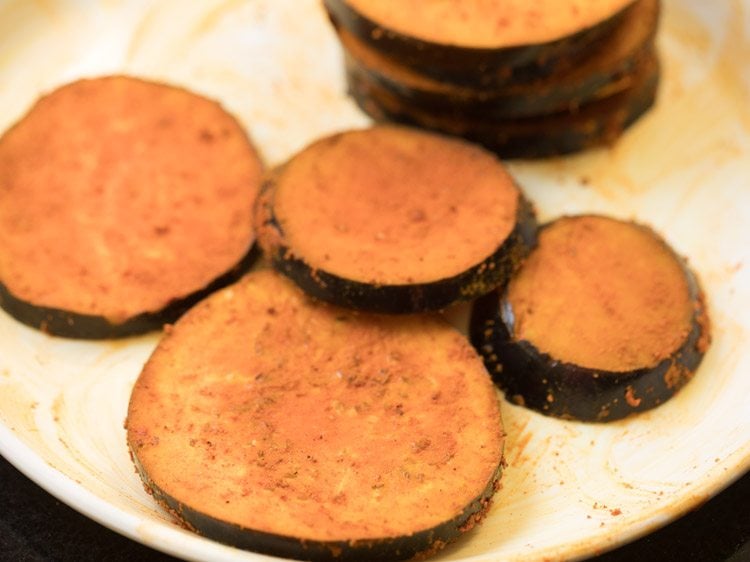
527,80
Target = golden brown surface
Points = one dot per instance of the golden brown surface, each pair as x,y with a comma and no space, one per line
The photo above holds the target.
119,195
265,409
393,205
602,294
488,23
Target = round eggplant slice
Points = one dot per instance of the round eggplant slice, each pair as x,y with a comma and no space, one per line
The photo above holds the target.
603,320
122,203
274,422
478,43
394,220
599,73
597,123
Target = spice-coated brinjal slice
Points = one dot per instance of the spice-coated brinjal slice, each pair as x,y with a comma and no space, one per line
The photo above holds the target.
122,202
394,220
602,321
314,432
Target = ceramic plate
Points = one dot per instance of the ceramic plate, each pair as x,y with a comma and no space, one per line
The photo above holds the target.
570,489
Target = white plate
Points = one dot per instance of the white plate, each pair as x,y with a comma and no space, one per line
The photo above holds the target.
570,489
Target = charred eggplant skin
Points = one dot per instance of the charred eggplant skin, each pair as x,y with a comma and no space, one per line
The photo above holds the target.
419,544
68,324
495,270
463,65
565,390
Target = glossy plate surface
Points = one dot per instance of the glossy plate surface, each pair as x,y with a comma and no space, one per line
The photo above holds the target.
570,489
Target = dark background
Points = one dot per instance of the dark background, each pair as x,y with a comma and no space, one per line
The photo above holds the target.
35,527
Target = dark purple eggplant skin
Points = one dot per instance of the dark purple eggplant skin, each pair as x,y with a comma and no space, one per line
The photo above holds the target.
74,325
561,389
470,66
493,271
599,123
418,544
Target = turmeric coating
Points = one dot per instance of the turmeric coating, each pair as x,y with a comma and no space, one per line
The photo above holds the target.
118,196
313,422
487,23
602,294
394,205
